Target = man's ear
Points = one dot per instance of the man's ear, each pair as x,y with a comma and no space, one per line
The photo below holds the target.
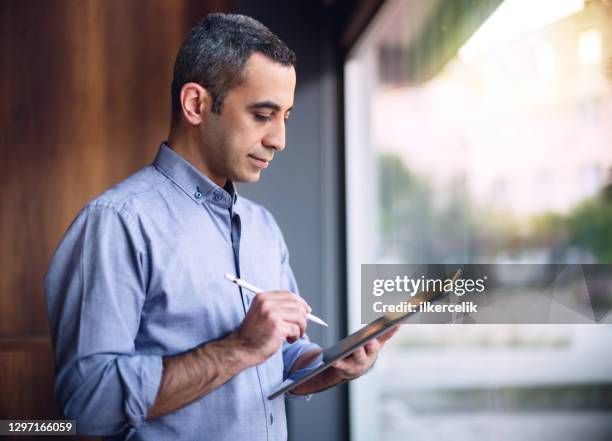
195,101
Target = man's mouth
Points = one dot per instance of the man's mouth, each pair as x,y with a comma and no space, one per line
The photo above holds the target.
259,162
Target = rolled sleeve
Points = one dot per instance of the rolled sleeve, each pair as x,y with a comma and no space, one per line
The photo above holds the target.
140,378
95,291
291,353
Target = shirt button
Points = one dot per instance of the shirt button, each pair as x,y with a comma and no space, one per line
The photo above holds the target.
217,195
198,195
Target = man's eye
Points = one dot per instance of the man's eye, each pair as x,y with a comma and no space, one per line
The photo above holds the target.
261,117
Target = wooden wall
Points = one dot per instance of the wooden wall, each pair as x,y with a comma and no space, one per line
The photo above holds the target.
84,102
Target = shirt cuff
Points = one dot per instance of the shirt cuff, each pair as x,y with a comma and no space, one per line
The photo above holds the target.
293,353
141,377
305,371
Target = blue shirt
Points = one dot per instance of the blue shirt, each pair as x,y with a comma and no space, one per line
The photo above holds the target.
140,275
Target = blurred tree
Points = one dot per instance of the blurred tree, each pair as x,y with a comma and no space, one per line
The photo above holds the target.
590,226
418,224
405,210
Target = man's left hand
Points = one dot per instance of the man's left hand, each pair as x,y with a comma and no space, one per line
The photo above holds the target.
360,361
349,368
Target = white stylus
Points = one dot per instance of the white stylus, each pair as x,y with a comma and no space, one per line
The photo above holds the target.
254,289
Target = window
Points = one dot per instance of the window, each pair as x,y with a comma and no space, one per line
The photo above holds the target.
479,131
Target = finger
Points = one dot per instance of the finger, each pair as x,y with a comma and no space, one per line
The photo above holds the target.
360,356
300,301
288,302
387,335
293,301
291,297
343,365
305,303
292,332
283,309
294,316
372,347
345,362
280,317
348,367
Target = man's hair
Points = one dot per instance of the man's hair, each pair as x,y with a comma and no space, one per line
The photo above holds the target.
215,53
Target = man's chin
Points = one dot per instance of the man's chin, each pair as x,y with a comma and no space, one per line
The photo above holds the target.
249,178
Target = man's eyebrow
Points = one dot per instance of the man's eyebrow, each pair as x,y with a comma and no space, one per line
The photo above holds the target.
267,105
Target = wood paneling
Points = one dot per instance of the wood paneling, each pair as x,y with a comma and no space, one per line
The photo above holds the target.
27,362
85,101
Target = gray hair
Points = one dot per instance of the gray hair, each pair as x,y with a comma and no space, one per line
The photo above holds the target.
215,53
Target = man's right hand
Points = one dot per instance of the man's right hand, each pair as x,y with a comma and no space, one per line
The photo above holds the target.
273,317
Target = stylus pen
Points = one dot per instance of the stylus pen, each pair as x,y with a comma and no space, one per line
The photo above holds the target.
254,289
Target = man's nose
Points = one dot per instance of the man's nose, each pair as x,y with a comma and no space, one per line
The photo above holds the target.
275,137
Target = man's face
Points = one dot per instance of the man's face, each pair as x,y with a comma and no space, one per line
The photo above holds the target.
242,140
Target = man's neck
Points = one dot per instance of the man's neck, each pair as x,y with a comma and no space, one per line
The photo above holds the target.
189,149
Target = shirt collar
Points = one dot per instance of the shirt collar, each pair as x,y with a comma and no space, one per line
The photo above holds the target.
198,186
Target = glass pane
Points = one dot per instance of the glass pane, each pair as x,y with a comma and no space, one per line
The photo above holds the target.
481,131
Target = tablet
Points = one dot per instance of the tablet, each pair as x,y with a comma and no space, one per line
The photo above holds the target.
348,345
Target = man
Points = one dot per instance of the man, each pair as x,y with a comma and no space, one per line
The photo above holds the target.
150,341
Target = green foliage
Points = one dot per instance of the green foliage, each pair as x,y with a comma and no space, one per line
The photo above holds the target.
416,224
402,195
590,227
405,210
